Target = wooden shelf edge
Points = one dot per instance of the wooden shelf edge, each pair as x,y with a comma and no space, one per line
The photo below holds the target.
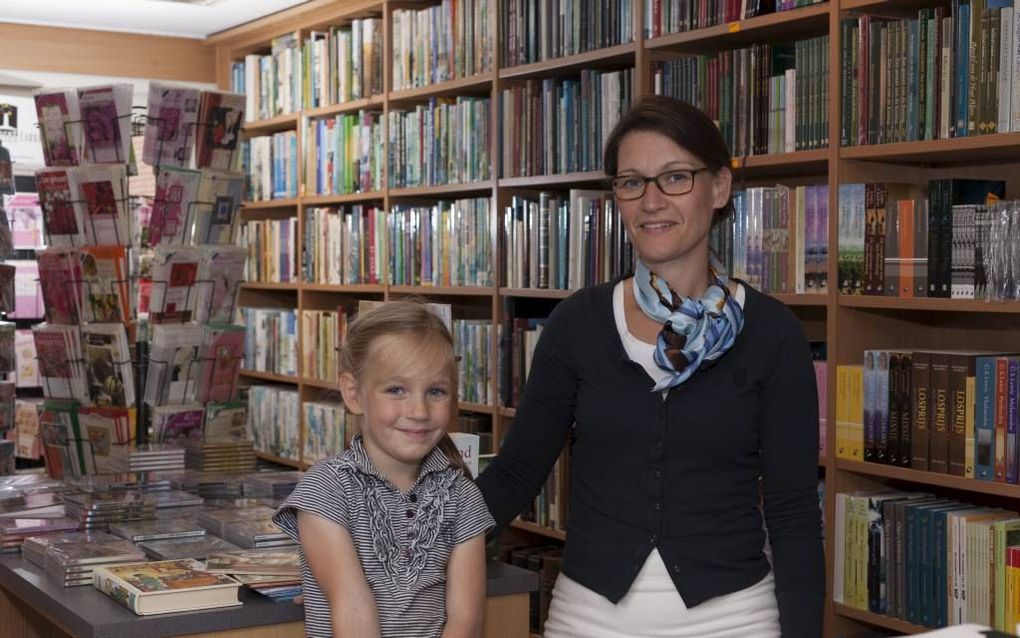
270,125
476,407
508,412
344,198
536,293
878,620
319,384
266,456
928,304
953,150
343,107
560,179
260,285
271,203
269,376
367,289
569,62
464,291
759,26
794,158
933,479
441,88
804,299
445,189
541,530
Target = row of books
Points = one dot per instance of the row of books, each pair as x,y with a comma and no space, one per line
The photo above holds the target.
777,238
445,244
471,343
343,154
949,72
272,250
440,43
563,242
270,342
765,98
930,561
345,245
322,334
271,163
274,415
325,429
663,17
537,30
909,240
559,125
331,66
446,141
951,412
549,507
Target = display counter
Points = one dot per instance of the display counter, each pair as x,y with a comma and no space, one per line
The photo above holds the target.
32,605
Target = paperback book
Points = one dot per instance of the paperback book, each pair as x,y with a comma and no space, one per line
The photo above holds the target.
166,586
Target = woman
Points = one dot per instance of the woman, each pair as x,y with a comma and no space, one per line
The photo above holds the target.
692,407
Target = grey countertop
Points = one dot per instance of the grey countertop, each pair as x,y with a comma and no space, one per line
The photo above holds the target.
87,613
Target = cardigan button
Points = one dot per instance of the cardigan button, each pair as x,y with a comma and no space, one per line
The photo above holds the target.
676,569
657,506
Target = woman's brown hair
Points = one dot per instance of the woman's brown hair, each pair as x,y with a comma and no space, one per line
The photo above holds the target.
685,125
408,317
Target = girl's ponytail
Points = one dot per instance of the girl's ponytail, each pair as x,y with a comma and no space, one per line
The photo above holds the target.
449,448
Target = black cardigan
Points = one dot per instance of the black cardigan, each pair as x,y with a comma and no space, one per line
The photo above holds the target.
681,474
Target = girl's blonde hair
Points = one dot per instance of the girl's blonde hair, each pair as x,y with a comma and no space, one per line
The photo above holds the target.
409,317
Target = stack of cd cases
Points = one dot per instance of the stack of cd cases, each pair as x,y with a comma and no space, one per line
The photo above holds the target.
216,520
276,485
256,534
73,563
209,484
97,511
221,455
34,548
160,529
145,458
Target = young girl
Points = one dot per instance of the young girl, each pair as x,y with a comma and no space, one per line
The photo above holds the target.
392,531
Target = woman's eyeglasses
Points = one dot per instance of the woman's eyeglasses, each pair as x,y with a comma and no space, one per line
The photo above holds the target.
674,182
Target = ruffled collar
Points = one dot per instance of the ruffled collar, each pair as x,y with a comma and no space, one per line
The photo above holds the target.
357,459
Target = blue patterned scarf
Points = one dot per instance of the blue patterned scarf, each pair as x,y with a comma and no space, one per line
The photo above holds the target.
694,330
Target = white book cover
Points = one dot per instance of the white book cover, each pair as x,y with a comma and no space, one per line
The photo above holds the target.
469,446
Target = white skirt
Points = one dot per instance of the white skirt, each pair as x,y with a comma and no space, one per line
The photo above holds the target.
653,608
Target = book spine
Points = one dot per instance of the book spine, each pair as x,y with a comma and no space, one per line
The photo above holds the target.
1001,417
939,409
958,365
921,410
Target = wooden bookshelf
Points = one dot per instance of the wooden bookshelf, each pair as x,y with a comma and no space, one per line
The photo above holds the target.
258,285
878,620
779,26
849,324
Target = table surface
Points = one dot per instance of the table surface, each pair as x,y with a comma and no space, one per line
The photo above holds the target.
88,613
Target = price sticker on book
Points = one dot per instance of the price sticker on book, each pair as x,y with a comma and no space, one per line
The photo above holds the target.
733,27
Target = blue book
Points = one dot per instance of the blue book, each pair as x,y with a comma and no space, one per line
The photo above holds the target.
984,418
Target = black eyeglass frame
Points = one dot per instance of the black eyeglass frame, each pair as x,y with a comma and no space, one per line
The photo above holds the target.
655,178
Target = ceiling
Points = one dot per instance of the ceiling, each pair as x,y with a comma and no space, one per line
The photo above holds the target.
185,18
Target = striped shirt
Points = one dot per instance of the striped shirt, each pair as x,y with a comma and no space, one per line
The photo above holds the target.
403,541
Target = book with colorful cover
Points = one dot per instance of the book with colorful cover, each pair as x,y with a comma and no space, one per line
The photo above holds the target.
104,284
59,119
103,192
59,279
220,118
106,120
174,273
227,420
222,352
177,422
220,200
166,586
58,198
174,208
220,275
171,128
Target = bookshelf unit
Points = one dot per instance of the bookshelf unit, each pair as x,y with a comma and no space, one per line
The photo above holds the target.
849,324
